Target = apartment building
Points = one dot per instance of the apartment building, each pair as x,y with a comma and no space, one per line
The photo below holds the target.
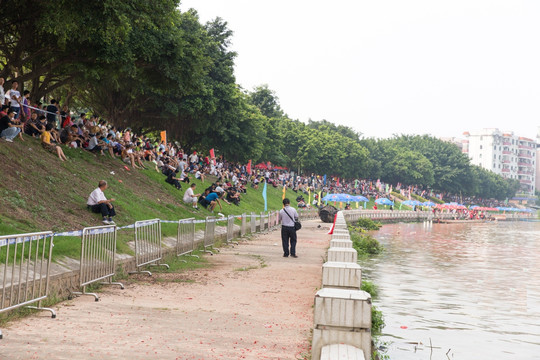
506,154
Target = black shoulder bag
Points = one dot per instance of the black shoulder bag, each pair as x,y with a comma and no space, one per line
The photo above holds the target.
297,225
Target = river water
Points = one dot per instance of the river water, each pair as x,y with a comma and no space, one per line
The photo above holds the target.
471,290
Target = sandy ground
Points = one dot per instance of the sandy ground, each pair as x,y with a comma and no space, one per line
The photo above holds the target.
262,312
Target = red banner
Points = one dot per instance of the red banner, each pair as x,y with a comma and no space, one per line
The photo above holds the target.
213,156
248,167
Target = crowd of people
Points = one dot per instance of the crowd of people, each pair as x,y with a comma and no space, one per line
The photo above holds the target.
57,128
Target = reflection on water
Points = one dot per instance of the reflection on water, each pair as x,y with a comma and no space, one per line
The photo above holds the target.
470,288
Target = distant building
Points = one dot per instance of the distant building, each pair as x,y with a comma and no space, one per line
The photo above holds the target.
537,182
510,156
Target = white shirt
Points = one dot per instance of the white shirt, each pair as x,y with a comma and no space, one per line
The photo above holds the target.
285,219
95,197
92,143
189,195
193,158
2,95
15,93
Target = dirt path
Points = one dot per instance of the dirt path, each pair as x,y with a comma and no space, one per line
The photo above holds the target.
251,304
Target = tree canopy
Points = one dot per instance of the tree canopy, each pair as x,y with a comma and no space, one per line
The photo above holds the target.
149,66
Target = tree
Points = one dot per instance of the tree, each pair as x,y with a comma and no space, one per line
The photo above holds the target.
267,101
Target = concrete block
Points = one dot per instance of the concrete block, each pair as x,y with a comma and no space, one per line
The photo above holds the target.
341,236
342,275
341,351
324,337
342,309
344,243
342,255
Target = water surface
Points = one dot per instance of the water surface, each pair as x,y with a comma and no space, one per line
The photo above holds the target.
473,290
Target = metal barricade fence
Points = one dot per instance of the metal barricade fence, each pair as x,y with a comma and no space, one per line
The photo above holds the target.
25,277
148,245
243,226
98,253
271,221
209,234
185,240
261,226
253,223
230,230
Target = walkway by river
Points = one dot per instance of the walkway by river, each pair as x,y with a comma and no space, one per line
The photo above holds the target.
250,304
473,290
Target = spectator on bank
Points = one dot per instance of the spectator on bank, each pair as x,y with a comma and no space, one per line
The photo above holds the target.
213,199
26,103
10,127
14,96
98,203
193,158
52,111
94,145
190,197
47,145
33,125
198,174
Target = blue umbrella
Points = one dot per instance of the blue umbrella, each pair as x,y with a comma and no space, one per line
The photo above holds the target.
428,203
330,197
384,201
411,202
362,198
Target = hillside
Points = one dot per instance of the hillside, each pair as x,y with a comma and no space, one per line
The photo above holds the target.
39,192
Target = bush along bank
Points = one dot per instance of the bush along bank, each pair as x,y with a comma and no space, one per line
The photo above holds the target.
367,246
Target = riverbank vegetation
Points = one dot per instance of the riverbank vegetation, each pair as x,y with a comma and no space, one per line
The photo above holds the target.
367,246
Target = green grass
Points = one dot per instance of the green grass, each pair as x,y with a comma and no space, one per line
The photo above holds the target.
41,193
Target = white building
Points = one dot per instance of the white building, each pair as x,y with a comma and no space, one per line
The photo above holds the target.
505,154
537,182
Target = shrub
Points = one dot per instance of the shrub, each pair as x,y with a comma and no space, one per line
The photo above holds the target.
368,224
366,244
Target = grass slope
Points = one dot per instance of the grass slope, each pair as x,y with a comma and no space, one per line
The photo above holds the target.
39,192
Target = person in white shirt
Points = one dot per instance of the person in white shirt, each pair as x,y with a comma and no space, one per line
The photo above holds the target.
15,97
190,197
98,203
287,217
199,175
193,158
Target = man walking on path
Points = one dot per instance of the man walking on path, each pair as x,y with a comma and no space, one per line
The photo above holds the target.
288,216
99,203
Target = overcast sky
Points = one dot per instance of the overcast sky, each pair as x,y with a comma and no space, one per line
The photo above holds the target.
392,66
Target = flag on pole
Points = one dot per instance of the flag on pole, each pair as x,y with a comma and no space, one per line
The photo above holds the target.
213,156
248,167
319,202
324,179
309,197
264,197
357,204
284,190
163,136
356,184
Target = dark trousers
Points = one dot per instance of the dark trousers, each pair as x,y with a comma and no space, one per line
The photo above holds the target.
288,233
104,209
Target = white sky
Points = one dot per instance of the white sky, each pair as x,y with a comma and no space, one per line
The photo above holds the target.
392,66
